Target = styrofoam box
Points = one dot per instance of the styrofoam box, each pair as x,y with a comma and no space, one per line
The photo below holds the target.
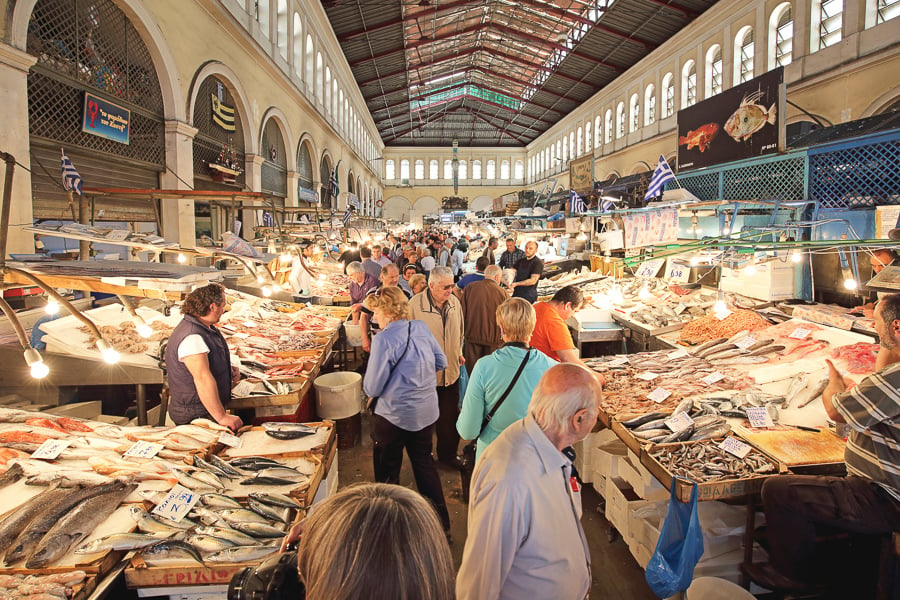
640,552
772,281
606,457
643,482
599,483
620,501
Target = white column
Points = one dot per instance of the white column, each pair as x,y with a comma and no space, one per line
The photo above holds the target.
178,214
252,180
14,65
292,178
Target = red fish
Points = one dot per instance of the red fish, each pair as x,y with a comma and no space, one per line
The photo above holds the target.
72,425
700,138
46,423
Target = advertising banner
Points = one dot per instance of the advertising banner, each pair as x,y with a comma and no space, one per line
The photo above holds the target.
105,119
307,195
742,122
581,174
652,227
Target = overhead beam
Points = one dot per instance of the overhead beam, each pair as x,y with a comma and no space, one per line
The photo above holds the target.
687,12
503,131
412,16
436,60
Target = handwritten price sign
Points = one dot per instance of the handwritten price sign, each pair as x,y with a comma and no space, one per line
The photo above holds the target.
734,446
679,422
618,361
677,272
230,440
649,268
648,376
659,394
143,450
713,378
177,504
51,449
759,417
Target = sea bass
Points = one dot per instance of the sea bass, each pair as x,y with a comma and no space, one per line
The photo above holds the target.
749,117
15,522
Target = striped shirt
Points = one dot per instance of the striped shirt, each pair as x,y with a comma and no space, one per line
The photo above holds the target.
872,409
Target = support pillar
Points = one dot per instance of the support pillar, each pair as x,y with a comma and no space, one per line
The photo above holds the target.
178,222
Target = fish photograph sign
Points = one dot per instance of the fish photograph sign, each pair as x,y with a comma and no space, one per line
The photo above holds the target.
742,122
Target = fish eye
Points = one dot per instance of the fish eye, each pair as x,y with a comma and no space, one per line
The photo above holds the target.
746,119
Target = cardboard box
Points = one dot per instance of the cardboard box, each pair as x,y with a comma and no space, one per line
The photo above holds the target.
640,479
620,501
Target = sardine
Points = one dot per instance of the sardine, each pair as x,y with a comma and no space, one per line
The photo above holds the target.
258,530
266,511
273,499
241,554
813,392
76,525
169,551
241,515
219,501
224,466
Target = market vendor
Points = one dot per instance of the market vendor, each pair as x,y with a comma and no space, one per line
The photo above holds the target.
198,363
866,503
879,259
528,272
551,334
301,277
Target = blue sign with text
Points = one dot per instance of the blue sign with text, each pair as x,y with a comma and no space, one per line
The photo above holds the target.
105,119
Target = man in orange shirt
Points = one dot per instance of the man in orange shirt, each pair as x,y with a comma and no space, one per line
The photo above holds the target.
551,334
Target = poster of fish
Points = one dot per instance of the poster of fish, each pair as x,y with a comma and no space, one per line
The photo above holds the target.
742,122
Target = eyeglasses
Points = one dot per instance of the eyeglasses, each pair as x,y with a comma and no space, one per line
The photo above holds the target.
448,287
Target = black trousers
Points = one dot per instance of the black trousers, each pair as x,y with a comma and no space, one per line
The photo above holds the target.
387,455
447,436
798,508
472,352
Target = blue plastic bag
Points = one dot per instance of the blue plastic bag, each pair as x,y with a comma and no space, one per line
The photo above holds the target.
463,383
680,546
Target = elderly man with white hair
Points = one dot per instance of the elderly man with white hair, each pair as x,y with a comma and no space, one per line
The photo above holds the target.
442,312
360,284
524,533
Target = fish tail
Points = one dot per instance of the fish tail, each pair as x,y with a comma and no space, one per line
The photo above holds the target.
682,140
770,116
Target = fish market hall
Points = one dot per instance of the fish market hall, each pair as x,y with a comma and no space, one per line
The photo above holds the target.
296,261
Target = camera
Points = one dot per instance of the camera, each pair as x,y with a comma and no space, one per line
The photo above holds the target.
272,579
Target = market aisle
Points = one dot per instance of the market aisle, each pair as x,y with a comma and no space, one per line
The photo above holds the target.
616,574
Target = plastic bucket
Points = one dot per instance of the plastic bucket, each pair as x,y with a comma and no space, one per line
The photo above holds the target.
338,395
354,333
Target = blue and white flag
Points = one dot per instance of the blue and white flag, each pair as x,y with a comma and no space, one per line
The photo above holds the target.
71,180
576,203
268,219
347,214
335,190
662,175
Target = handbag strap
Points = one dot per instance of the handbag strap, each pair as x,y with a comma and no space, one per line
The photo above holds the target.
400,360
506,393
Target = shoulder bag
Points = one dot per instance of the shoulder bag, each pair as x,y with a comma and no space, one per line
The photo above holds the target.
370,405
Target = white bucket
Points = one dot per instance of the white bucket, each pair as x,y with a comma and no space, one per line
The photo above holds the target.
713,588
354,333
338,395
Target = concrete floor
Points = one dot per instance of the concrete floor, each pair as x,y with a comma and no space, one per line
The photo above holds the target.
615,573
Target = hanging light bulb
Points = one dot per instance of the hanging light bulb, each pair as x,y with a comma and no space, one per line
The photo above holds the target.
52,307
850,283
695,260
143,329
796,256
266,291
110,355
181,258
276,287
322,277
39,368
695,223
644,293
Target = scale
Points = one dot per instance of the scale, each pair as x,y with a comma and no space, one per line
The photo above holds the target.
886,281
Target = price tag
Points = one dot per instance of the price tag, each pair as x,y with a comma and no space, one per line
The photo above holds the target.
745,342
713,378
241,335
680,308
649,268
680,353
177,504
659,394
800,333
248,323
647,376
230,440
618,361
679,422
723,314
759,416
50,449
143,450
118,235
678,272
734,446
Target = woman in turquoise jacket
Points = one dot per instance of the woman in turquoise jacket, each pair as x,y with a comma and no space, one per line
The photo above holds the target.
493,373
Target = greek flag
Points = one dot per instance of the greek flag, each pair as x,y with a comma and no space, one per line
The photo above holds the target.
347,214
335,190
71,180
268,219
661,176
576,203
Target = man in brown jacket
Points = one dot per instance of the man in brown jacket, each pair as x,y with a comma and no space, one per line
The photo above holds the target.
480,300
442,312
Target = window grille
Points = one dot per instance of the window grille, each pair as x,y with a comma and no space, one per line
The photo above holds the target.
210,137
830,21
746,63
886,10
715,73
784,38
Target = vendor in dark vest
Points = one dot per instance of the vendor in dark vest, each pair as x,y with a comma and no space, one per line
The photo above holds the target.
198,364
528,272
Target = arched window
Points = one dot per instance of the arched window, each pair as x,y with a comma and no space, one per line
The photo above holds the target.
320,74
448,169
327,97
571,145
579,142
463,170
565,151
542,163
885,10
609,125
476,170
309,61
827,21
335,103
559,156
518,170
743,55
688,84
587,136
598,132
432,169
298,45
345,118
491,170
649,104
420,170
504,170
282,24
389,173
404,171
262,16
634,113
714,70
668,105
342,110
781,36
620,120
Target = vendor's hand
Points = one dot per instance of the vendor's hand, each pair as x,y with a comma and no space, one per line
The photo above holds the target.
836,382
232,422
235,375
